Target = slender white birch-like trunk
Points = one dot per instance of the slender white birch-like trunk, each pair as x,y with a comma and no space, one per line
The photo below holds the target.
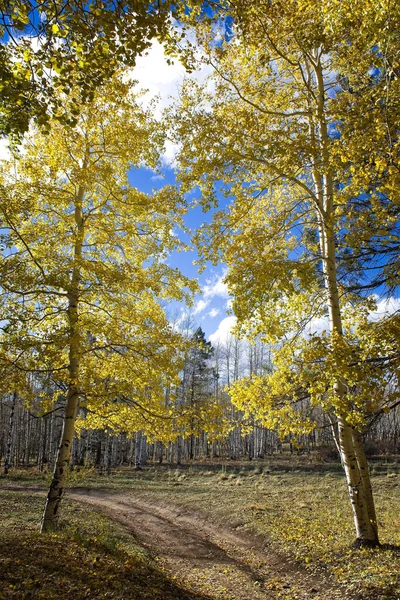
366,479
139,451
107,454
358,481
349,442
57,485
7,457
179,449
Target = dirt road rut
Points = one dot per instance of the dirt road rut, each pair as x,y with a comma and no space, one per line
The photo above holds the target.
211,559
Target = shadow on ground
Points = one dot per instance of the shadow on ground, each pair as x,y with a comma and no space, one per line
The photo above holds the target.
394,548
50,567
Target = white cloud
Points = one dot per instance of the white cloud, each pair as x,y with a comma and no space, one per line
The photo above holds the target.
4,151
216,287
182,322
163,81
224,329
159,78
384,308
200,306
214,312
170,153
317,325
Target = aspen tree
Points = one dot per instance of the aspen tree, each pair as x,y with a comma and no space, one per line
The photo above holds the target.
269,138
86,270
7,456
48,46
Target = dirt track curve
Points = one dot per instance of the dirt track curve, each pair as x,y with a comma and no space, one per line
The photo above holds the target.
209,557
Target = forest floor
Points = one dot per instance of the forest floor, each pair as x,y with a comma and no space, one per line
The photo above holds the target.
216,532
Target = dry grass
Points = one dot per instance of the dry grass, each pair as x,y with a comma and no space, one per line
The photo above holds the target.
302,511
90,557
303,514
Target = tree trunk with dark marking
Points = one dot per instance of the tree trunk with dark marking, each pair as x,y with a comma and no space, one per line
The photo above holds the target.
7,456
56,491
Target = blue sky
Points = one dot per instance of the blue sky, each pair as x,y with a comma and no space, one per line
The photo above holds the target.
210,308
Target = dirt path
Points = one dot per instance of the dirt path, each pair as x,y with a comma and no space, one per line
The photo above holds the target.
210,559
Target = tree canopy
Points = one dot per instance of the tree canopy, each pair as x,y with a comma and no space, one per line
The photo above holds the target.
83,268
309,221
49,47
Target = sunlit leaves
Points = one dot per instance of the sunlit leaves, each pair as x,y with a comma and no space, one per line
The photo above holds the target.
297,131
70,46
80,235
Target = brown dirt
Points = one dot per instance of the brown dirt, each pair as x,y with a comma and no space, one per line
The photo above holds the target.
210,558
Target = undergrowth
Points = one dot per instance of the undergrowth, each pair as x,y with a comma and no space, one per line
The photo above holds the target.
303,514
89,557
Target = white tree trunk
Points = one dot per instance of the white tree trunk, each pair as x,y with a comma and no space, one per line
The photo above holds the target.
366,530
366,479
179,448
50,515
7,457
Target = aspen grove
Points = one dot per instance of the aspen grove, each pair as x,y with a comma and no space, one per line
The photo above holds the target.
291,149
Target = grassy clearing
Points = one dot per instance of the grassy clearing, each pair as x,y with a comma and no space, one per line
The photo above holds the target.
89,558
302,510
306,515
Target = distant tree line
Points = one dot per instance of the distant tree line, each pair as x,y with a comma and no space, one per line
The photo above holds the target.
30,438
